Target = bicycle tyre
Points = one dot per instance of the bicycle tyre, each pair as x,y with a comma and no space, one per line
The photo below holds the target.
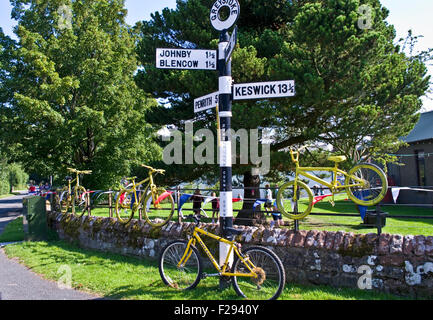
158,215
64,200
285,196
79,201
125,201
272,277
375,188
185,278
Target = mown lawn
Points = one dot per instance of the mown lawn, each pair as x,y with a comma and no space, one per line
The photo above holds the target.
117,277
400,225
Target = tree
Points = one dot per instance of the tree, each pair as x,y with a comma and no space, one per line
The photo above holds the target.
71,100
355,88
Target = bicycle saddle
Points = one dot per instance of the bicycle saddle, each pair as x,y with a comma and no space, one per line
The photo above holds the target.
337,159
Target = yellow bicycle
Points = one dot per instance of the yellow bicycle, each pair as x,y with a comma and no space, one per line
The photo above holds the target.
74,197
256,272
365,184
157,204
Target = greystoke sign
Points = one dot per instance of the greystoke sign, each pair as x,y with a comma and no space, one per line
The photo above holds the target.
216,19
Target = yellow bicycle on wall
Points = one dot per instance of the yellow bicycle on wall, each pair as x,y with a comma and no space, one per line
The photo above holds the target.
156,203
365,184
74,196
257,273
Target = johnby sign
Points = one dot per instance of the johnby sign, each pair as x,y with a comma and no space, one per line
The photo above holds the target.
194,59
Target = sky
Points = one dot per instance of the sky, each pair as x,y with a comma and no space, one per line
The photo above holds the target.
404,15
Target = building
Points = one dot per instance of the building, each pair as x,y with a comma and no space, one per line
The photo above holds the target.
417,171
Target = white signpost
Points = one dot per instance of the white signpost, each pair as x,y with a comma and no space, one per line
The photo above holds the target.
194,59
232,44
209,101
264,90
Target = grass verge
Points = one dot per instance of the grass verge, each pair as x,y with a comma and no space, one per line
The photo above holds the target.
13,231
117,277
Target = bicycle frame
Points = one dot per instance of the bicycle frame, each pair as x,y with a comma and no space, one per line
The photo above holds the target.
334,185
221,270
149,184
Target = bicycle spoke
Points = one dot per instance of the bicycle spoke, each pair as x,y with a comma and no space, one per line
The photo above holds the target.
270,279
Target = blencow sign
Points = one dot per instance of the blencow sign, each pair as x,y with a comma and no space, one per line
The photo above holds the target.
264,90
194,59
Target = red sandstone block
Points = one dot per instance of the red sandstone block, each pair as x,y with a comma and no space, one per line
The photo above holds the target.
329,240
396,244
419,245
429,246
320,239
384,241
299,238
290,237
348,240
310,238
408,244
338,240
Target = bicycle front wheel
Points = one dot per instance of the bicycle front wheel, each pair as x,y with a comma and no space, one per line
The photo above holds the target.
295,207
158,207
183,277
126,205
79,201
64,200
367,184
270,279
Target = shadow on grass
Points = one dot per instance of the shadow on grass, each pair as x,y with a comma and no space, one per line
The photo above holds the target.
131,278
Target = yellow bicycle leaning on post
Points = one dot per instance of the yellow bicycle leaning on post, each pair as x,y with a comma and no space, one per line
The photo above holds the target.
257,273
74,197
365,184
157,203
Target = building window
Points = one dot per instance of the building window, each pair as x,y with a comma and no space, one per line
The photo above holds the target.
420,167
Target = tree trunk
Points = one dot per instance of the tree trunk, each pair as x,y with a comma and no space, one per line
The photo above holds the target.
247,216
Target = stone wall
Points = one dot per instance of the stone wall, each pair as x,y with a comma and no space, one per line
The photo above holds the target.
388,263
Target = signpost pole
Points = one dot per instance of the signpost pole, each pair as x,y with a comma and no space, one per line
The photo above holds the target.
225,114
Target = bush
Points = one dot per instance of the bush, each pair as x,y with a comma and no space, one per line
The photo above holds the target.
17,176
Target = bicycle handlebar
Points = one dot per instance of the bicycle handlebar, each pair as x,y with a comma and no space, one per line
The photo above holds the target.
79,172
294,153
161,171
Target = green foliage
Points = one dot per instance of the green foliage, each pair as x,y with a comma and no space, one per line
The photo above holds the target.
356,90
68,93
17,176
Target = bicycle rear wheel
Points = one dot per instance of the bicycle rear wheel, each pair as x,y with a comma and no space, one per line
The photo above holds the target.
270,279
79,201
181,278
159,208
286,202
373,187
126,205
